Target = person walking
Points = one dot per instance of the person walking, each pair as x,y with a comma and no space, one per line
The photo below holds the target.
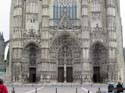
3,88
119,88
110,88
98,91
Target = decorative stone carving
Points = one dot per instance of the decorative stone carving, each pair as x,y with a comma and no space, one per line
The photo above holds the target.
75,41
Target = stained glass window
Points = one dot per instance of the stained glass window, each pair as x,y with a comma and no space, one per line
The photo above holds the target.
65,6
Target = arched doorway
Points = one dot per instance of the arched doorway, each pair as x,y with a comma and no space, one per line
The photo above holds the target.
99,56
65,69
31,58
32,68
67,55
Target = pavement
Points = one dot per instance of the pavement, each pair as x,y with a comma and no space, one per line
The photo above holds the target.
60,88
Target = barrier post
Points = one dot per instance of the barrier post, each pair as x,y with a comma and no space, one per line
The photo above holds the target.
76,90
35,90
56,90
88,91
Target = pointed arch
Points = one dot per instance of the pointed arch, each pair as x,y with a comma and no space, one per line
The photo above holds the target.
66,53
99,59
31,57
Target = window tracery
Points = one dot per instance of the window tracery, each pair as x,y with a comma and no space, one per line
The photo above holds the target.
68,6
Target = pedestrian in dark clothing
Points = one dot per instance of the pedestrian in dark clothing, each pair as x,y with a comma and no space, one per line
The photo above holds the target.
3,88
110,88
119,88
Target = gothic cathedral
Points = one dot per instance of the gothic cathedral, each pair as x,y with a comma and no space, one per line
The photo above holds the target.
66,41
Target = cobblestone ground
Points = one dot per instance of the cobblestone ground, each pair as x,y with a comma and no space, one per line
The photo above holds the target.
58,88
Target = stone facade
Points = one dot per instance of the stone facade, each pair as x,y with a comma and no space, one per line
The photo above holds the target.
65,41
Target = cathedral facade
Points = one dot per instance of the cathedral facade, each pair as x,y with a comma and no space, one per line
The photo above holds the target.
66,41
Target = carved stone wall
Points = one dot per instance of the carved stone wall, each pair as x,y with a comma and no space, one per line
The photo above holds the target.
80,34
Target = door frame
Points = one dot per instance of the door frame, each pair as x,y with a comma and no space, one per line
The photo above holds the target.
32,73
71,68
96,74
63,78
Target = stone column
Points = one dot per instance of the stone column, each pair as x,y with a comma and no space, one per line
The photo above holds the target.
86,67
112,40
45,41
120,57
16,35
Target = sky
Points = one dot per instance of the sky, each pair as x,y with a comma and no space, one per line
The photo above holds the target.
5,14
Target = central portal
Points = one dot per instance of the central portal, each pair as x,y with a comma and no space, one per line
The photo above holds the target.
65,74
65,63
66,54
